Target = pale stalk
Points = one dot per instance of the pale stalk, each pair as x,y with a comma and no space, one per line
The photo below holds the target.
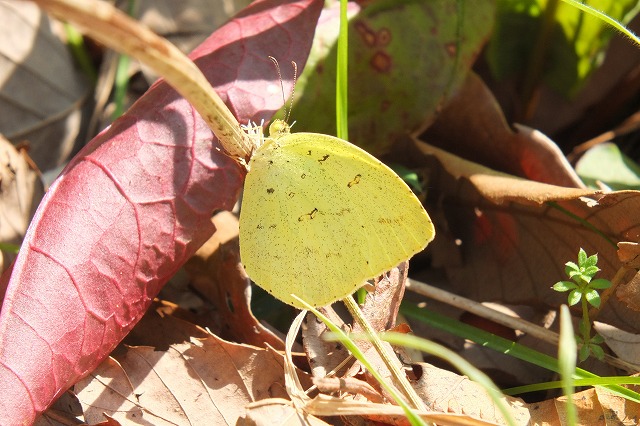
111,27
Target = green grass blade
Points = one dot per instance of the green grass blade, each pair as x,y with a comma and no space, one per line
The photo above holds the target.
602,16
340,336
458,362
503,345
342,75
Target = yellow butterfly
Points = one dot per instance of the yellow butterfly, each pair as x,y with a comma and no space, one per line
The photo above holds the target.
320,216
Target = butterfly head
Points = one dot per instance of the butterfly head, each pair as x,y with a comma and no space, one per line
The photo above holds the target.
279,128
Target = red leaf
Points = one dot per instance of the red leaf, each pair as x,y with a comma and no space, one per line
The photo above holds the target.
130,209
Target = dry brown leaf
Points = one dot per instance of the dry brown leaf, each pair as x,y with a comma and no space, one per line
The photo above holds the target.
66,411
473,126
21,190
191,381
217,274
109,422
629,294
629,254
277,413
615,409
41,92
448,392
160,329
381,309
625,345
324,405
324,356
381,306
597,407
544,413
515,237
107,390
347,385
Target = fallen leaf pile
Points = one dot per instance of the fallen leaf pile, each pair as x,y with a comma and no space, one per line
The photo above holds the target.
128,302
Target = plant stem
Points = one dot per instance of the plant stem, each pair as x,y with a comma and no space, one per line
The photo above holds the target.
586,324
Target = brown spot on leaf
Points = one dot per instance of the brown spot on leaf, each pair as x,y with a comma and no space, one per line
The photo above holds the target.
452,49
381,62
366,33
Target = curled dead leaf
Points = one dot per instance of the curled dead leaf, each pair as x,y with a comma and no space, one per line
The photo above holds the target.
21,190
217,274
473,126
181,379
520,233
629,254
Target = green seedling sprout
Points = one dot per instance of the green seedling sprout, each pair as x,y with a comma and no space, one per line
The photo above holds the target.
583,288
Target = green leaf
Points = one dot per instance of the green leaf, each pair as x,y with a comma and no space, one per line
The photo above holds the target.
590,271
593,297
409,176
561,286
570,266
573,274
597,352
583,353
582,258
605,163
395,47
591,262
574,297
597,339
9,247
575,47
586,278
583,331
600,284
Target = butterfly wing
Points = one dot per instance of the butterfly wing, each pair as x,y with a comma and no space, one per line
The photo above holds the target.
320,216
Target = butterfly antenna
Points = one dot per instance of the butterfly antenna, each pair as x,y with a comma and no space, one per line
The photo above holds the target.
295,80
293,90
284,100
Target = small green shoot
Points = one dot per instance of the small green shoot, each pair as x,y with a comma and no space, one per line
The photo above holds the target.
75,42
583,288
121,82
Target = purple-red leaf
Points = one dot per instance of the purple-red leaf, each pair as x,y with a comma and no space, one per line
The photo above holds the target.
130,209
